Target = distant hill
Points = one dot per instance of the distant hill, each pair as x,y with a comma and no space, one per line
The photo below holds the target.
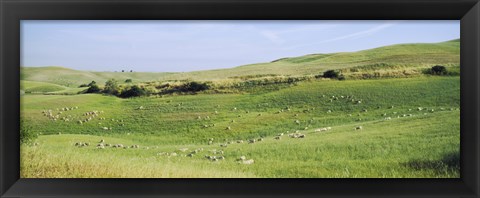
417,55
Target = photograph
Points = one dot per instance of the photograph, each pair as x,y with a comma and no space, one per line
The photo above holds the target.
240,98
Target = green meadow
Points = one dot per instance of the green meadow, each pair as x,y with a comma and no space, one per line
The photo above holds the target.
387,119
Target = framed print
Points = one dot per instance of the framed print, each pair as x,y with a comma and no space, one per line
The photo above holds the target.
239,98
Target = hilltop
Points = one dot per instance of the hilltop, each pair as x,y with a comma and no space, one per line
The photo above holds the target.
394,57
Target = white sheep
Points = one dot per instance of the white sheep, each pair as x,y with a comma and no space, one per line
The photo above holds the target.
250,161
358,128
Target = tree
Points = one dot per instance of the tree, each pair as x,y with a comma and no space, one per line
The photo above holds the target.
131,70
123,70
111,87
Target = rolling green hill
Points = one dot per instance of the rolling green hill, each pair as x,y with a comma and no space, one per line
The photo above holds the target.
410,129
418,56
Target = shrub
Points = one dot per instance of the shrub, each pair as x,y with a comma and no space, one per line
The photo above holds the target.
93,89
92,83
194,87
331,74
438,70
111,87
26,133
83,85
133,91
128,81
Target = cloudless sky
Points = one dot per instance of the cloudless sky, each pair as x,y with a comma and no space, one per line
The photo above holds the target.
175,46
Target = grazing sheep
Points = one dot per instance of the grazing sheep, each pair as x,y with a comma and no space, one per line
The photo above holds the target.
328,128
234,108
364,110
260,139
302,136
221,158
223,145
280,134
77,143
329,111
183,149
250,161
101,141
107,145
297,121
242,158
384,114
359,102
87,144
210,142
190,155
239,141
358,128
278,137
388,118
100,147
321,129
251,141
228,128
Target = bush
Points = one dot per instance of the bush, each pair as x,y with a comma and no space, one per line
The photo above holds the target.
331,74
134,91
111,87
194,87
438,70
26,133
92,83
83,85
93,89
128,81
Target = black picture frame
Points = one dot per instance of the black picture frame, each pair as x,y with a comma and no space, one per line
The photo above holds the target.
12,11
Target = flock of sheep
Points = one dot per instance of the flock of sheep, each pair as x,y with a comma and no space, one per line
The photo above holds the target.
56,116
87,116
102,145
218,155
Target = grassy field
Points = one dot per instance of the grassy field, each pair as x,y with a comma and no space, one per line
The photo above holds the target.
414,143
388,119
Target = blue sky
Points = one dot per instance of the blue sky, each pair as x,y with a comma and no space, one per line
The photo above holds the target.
177,46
